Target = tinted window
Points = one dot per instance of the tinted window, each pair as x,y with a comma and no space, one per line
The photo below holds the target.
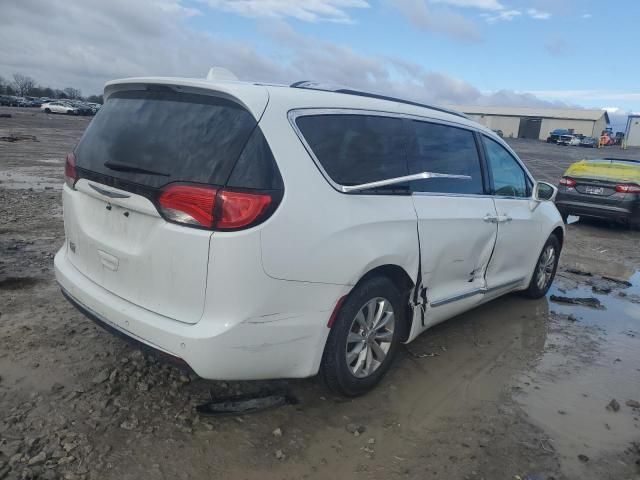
508,176
256,167
356,149
443,149
178,136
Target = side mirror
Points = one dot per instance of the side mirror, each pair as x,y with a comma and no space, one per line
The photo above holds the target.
544,191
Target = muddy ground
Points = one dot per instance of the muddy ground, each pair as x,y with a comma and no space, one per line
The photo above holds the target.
516,389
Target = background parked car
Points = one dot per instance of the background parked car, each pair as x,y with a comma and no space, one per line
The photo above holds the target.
555,135
59,107
605,188
5,100
589,142
81,107
572,140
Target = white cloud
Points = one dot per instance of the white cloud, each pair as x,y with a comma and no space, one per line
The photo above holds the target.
306,10
439,20
502,15
120,38
480,4
588,95
586,15
538,14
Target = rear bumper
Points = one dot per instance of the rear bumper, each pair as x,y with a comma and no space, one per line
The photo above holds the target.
276,346
126,336
622,211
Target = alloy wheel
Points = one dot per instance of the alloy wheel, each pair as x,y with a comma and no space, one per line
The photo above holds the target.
546,266
370,337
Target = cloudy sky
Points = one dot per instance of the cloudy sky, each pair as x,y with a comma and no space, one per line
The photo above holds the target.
502,52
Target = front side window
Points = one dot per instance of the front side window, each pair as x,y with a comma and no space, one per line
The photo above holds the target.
509,179
356,149
443,149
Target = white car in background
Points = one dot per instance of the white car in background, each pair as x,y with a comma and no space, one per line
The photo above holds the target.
257,231
59,107
570,140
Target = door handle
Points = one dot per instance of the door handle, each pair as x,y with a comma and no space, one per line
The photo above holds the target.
503,218
490,218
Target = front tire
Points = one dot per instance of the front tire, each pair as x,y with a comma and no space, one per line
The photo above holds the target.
545,269
364,338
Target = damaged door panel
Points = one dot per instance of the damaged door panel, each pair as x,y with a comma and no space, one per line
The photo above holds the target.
454,255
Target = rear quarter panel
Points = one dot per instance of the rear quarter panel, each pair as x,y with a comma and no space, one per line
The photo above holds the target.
321,235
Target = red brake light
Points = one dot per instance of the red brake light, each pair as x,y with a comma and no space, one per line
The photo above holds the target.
569,182
70,175
628,188
212,208
241,209
188,204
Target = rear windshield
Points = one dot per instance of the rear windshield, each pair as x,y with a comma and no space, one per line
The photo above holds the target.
156,137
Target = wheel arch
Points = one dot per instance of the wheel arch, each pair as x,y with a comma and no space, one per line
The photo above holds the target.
559,233
401,278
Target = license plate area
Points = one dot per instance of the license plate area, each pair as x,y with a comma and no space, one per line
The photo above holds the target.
594,190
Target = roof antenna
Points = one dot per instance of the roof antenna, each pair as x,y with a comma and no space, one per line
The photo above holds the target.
220,73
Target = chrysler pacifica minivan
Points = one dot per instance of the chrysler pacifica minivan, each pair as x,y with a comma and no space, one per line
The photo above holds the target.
258,231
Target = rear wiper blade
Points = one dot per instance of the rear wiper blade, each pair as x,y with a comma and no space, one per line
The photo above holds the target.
125,167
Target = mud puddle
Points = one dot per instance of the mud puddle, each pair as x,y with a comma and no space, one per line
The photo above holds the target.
589,359
444,401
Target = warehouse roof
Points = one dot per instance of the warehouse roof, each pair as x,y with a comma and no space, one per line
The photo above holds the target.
561,113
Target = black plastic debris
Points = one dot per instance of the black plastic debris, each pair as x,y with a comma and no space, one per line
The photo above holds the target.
618,281
577,271
584,301
12,137
244,404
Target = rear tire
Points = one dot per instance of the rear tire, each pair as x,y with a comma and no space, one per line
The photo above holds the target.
545,269
47,110
373,313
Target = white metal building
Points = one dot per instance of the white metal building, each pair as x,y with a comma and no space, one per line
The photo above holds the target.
632,134
524,122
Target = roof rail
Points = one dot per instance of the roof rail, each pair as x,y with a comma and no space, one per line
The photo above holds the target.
310,85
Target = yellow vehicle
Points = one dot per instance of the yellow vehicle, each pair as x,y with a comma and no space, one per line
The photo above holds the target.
604,188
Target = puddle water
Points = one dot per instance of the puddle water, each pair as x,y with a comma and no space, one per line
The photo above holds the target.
510,353
37,178
582,369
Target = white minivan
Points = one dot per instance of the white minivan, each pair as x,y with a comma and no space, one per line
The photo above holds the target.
258,231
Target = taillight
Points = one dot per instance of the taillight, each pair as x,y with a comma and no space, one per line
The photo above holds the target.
188,204
70,175
569,182
240,209
213,208
628,188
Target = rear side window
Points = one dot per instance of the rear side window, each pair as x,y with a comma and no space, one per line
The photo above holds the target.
442,149
156,137
256,167
356,149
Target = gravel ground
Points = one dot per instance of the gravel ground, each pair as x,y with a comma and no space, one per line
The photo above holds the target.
515,389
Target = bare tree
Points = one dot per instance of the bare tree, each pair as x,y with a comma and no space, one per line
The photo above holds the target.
23,83
72,92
